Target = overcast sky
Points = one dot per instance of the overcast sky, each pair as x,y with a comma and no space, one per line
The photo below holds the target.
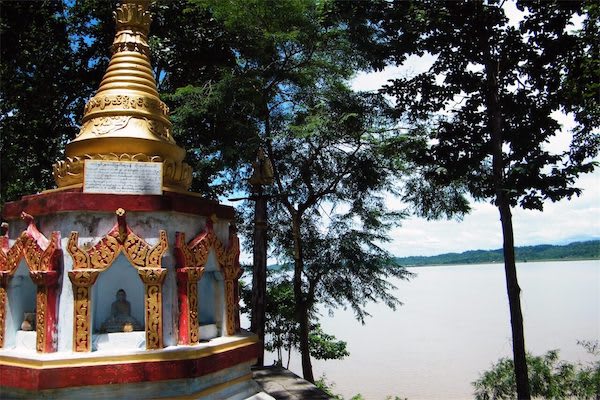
561,222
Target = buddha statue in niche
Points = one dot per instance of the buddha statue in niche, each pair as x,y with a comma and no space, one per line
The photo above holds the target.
120,319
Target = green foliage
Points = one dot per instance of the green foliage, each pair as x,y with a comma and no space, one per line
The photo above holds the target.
549,377
589,250
532,63
325,346
324,142
326,386
282,333
43,85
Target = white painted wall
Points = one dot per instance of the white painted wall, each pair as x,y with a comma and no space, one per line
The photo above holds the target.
92,227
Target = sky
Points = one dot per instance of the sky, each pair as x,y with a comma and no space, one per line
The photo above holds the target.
560,223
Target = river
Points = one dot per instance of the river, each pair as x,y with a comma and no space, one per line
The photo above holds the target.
455,323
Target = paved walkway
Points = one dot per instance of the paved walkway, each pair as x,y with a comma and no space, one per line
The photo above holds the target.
282,384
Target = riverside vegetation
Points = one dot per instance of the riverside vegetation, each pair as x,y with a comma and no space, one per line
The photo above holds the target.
587,250
549,377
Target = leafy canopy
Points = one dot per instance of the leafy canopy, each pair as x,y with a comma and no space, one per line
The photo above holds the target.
535,62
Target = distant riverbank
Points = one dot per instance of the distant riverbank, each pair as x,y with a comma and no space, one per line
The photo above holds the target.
588,250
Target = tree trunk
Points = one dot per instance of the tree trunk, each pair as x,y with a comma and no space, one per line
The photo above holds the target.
301,301
307,371
502,202
514,301
259,273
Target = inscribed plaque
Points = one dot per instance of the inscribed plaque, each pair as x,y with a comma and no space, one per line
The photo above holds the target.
122,177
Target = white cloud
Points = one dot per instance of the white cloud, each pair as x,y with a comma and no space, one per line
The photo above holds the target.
561,222
372,81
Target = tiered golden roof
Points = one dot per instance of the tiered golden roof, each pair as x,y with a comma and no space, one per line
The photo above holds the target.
126,120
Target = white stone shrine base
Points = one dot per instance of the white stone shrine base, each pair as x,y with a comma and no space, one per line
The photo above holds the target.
217,370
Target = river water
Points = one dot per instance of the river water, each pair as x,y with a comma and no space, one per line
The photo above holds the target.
455,323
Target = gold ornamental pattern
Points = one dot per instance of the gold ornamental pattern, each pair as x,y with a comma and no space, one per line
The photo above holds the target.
103,254
133,16
82,281
41,304
42,257
195,255
127,102
9,259
153,279
70,171
82,337
230,265
142,255
99,257
194,323
188,278
89,262
2,314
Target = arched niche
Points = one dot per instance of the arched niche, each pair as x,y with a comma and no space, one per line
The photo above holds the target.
21,296
32,259
120,275
206,251
92,262
211,300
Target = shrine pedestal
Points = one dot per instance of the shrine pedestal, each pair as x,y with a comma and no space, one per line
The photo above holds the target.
184,292
219,369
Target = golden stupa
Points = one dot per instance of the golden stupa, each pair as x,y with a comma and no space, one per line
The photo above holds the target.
126,120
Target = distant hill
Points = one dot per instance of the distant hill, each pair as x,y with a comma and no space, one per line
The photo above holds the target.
588,250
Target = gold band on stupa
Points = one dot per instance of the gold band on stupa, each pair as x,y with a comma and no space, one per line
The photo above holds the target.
126,120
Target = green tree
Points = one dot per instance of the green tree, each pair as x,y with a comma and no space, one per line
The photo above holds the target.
39,91
330,219
489,103
323,142
549,378
282,327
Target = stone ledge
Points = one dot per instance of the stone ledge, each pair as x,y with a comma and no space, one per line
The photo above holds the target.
283,384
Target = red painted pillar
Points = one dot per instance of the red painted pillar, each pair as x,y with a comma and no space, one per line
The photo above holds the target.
4,280
184,306
46,297
187,290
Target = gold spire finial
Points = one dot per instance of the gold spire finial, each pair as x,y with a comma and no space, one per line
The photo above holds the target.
126,120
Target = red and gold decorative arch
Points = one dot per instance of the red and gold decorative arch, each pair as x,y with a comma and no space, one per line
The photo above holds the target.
89,263
191,260
42,257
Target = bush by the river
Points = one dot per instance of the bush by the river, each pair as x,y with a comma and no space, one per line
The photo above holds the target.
549,378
